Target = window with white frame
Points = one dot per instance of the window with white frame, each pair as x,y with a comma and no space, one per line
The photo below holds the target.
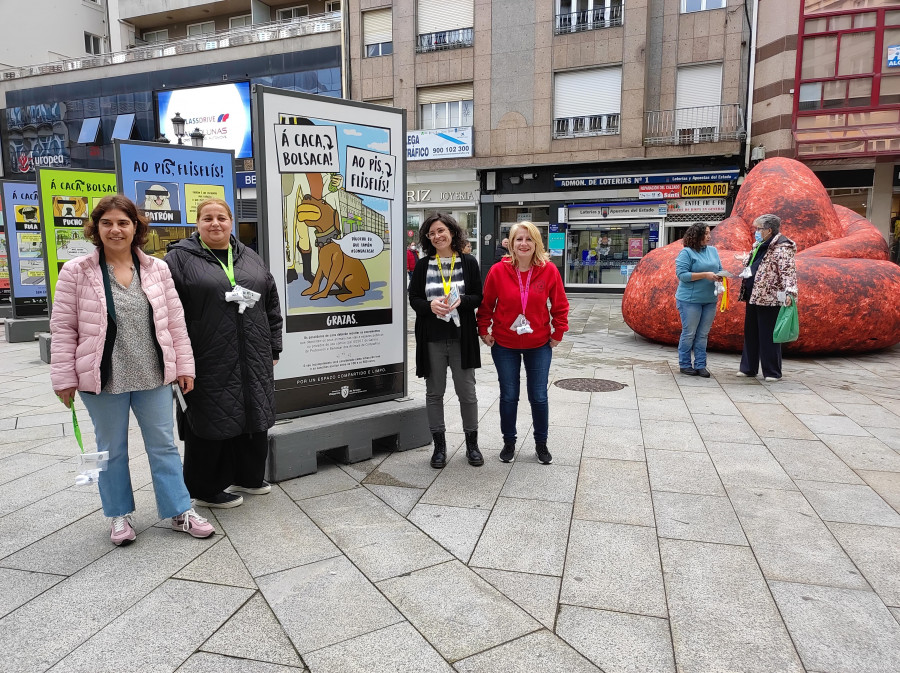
93,44
446,106
587,102
291,13
156,36
204,28
378,35
242,21
698,100
444,25
333,6
688,6
573,16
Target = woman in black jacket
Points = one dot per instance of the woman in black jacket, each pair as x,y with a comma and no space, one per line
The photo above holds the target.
444,292
236,338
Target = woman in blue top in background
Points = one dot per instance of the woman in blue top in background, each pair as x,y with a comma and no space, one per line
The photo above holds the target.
697,267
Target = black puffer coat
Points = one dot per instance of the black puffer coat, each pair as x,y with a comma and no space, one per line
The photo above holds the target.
234,392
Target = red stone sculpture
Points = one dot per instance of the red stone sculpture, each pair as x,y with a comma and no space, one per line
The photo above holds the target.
849,292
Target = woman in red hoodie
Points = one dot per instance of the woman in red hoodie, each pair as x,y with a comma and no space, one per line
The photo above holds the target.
515,322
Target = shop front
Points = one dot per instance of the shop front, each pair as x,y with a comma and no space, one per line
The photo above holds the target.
454,192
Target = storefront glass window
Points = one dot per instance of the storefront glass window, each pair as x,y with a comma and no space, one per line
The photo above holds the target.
539,215
606,254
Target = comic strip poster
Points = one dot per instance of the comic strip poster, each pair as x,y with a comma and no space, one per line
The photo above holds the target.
67,197
24,248
4,260
332,180
167,182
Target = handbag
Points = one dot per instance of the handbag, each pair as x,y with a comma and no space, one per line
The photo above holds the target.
787,324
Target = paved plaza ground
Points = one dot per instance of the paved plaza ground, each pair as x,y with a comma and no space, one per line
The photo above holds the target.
720,525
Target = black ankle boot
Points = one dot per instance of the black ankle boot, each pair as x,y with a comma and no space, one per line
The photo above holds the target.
509,450
472,453
439,457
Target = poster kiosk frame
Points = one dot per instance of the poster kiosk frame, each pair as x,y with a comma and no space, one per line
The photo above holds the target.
23,304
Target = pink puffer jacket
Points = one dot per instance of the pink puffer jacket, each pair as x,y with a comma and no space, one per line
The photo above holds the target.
78,322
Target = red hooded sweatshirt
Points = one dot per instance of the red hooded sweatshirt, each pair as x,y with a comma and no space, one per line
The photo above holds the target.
502,304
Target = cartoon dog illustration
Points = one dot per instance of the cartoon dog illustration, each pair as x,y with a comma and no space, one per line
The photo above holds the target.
70,206
335,267
156,198
297,236
27,214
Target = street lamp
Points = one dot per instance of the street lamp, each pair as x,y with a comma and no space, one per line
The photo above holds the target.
197,137
178,126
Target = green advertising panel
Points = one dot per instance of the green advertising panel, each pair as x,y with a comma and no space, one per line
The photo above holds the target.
66,198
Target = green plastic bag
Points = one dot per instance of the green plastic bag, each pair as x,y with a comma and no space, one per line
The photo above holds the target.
787,324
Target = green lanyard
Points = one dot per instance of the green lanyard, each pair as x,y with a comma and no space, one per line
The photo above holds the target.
76,428
753,256
229,270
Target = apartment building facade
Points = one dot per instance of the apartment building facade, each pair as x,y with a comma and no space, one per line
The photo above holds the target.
827,92
609,123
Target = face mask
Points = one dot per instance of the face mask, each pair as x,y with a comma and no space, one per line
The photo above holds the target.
758,236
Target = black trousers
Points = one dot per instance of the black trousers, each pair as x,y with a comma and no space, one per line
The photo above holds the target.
212,465
759,325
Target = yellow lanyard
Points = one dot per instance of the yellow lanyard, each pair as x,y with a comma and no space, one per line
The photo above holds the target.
446,282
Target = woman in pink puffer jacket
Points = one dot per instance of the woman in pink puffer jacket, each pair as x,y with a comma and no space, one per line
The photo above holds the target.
119,338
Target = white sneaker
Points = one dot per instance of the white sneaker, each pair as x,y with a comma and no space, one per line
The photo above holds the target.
741,374
772,379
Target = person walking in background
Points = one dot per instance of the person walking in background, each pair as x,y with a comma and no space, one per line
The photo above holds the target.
412,256
444,292
120,339
514,320
769,282
236,345
501,250
696,266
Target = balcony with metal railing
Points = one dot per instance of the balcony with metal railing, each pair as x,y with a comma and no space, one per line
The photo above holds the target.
582,127
590,19
255,34
688,126
445,39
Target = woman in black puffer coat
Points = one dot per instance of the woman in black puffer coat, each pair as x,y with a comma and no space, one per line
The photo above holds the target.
232,406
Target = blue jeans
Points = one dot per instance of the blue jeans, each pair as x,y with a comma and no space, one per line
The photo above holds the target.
696,320
153,410
537,372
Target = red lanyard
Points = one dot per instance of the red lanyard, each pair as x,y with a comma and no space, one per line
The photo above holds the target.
523,291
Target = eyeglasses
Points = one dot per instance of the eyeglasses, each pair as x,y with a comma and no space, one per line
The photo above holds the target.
436,232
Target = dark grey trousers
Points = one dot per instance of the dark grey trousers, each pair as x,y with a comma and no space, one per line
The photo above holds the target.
441,356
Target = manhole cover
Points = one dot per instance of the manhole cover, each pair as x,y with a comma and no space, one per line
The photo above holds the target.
589,385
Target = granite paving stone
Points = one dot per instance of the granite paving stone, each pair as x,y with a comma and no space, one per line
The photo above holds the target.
398,498
618,642
671,436
722,615
704,518
613,567
32,487
849,503
270,533
326,602
457,611
773,420
541,651
832,425
725,429
456,529
748,465
616,491
613,417
866,415
715,402
204,662
536,594
362,469
20,464
876,552
29,524
379,541
398,649
806,403
220,564
460,485
663,409
810,460
535,481
614,444
747,391
890,436
253,632
564,443
789,541
864,453
17,587
507,542
839,630
328,479
161,630
409,469
683,472
885,484
570,414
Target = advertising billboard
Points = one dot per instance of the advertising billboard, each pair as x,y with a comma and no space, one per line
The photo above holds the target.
24,248
439,144
220,111
168,181
331,190
66,198
4,260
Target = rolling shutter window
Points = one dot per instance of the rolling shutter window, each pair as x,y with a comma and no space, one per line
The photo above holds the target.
377,27
587,93
699,86
435,16
446,94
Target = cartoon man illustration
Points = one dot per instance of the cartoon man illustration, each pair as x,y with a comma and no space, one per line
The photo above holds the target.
156,198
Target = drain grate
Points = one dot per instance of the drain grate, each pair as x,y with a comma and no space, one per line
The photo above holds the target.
589,385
